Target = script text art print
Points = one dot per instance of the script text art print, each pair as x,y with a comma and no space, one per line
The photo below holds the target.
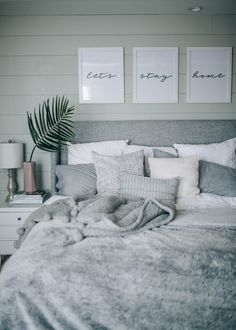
209,74
155,75
101,75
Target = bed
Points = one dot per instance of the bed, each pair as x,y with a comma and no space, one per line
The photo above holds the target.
163,259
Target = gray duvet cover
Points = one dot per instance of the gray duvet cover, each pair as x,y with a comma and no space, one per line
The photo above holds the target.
176,276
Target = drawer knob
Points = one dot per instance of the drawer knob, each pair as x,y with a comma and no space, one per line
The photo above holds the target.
19,218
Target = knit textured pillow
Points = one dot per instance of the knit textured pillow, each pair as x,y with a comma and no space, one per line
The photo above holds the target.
186,169
163,190
108,170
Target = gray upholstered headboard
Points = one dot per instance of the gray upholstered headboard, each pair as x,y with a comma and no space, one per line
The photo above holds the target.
152,133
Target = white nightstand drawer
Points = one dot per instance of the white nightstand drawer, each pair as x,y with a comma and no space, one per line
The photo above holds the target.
11,218
8,232
8,219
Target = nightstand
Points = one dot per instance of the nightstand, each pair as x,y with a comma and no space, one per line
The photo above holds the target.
12,217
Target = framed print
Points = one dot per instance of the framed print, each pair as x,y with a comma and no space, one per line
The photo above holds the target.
155,75
209,74
101,75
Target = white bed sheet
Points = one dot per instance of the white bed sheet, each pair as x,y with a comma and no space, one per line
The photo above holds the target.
206,210
220,217
205,201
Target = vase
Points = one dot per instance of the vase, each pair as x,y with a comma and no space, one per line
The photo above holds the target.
29,177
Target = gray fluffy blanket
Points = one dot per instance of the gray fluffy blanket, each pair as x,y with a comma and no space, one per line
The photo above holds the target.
167,278
102,216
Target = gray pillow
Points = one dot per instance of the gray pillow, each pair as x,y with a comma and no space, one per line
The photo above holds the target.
217,179
108,169
163,190
76,180
163,154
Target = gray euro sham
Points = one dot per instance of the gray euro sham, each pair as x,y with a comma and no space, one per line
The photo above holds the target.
76,180
217,179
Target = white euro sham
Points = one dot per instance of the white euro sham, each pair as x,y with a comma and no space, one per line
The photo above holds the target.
220,153
81,153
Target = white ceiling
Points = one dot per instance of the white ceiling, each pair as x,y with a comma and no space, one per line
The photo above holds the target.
83,7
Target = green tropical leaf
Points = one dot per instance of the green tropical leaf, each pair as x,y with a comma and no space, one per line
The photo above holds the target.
52,125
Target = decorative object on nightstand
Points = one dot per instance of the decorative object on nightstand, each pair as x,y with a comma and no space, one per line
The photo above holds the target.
29,176
51,128
11,158
38,197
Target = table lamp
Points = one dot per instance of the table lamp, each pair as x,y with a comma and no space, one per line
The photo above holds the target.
11,157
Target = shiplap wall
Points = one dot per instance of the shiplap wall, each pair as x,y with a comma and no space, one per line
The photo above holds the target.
38,59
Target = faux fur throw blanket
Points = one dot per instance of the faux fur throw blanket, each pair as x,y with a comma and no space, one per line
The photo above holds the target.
102,216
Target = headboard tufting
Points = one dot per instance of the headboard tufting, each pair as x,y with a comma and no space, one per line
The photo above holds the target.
149,132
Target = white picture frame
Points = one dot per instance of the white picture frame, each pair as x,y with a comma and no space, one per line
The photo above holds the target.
101,75
209,74
155,75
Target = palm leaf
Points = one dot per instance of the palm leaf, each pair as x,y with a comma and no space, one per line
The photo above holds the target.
52,125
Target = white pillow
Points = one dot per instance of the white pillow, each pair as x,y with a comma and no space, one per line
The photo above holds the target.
81,153
221,153
186,169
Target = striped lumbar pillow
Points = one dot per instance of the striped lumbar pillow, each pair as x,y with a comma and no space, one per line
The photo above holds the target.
164,190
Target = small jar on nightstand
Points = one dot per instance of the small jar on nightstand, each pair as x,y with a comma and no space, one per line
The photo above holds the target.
11,218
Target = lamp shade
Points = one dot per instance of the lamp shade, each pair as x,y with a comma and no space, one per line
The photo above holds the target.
11,155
